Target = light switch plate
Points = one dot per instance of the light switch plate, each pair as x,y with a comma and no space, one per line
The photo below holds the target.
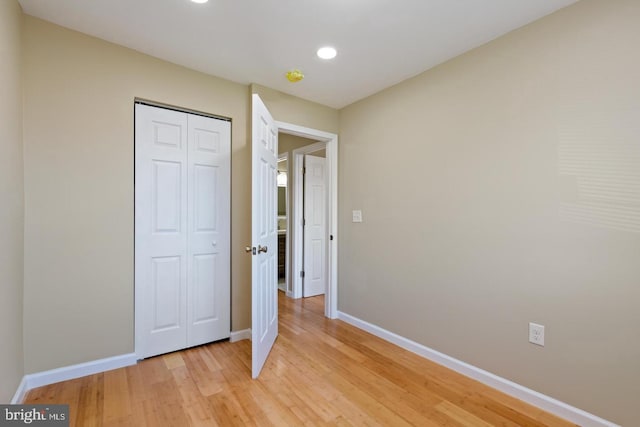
357,216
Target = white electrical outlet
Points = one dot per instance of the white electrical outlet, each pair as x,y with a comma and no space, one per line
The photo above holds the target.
357,216
536,334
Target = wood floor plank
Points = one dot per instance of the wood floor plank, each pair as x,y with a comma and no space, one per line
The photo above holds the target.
90,403
173,360
321,372
117,400
167,405
460,415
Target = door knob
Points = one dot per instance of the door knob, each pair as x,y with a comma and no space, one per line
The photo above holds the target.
247,249
262,249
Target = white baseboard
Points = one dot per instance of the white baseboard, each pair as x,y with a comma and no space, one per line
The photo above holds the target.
532,397
66,373
21,392
244,334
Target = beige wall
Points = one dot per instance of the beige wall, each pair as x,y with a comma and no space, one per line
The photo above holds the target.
511,185
290,109
489,167
79,94
12,205
78,133
287,143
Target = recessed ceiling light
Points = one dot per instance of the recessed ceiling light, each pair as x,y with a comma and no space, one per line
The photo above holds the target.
199,1
327,52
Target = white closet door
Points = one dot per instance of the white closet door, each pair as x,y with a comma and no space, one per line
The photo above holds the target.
181,230
208,295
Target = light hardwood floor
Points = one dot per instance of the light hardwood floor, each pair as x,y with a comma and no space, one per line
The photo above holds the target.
320,372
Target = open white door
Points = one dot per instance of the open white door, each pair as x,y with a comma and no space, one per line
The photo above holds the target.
315,226
264,235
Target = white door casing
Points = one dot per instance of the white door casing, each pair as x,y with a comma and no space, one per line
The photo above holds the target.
264,235
287,277
182,242
315,226
329,142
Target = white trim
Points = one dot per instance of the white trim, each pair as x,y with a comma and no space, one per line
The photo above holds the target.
311,148
525,394
331,299
331,145
244,334
296,229
305,132
66,373
21,392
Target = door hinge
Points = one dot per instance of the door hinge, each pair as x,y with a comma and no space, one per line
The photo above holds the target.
304,171
304,222
330,236
302,274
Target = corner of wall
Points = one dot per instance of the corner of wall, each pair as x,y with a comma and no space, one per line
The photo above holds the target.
12,207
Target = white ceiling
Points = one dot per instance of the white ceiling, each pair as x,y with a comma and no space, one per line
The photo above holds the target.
379,42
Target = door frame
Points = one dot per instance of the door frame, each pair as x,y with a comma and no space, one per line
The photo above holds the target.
284,157
329,141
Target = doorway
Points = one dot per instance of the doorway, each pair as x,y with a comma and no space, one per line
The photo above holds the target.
308,226
264,220
325,144
309,279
